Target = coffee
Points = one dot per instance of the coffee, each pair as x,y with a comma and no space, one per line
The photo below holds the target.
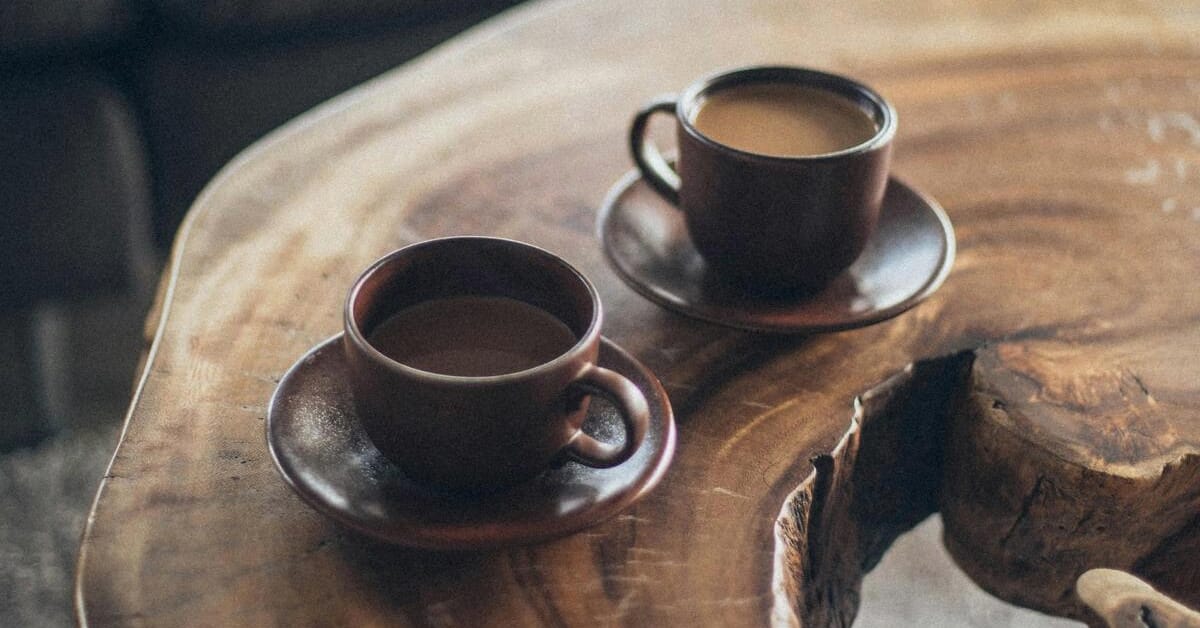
472,336
782,119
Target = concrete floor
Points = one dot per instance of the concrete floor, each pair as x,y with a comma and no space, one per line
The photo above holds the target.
917,561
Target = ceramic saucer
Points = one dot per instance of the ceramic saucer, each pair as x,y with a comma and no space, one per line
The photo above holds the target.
907,259
323,453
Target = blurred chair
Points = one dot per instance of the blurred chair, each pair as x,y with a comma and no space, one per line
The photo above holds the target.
113,115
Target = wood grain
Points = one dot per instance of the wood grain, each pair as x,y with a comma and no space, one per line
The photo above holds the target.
1064,142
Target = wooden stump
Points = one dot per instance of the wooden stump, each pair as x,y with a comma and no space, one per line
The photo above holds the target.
1053,469
1024,522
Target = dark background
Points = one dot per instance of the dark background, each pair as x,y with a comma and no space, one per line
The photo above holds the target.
113,116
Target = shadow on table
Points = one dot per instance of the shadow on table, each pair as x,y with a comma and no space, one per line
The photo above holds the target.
426,584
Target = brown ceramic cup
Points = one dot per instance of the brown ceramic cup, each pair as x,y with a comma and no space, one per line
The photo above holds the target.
484,433
791,222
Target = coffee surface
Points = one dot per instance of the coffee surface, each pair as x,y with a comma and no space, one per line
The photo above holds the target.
782,120
472,336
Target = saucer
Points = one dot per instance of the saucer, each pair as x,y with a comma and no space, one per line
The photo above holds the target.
325,456
905,261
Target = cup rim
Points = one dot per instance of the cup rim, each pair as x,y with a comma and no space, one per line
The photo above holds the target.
842,85
356,336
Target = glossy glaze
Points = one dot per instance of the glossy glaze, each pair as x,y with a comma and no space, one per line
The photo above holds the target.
906,260
785,224
321,450
483,433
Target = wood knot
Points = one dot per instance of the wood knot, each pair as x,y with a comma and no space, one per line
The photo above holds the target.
1066,376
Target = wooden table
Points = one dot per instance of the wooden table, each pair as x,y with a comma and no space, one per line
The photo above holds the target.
1061,432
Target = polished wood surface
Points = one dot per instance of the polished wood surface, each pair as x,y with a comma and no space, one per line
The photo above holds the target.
1064,143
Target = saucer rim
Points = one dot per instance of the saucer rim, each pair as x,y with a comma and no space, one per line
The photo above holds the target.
666,300
485,535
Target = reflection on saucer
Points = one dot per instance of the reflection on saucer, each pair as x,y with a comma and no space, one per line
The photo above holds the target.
906,260
326,457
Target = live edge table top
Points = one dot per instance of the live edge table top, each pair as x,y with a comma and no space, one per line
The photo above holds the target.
1063,142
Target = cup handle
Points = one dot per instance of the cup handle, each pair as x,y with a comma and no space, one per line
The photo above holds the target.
655,169
635,414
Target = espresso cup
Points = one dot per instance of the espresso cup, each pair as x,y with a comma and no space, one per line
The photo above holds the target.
780,172
472,361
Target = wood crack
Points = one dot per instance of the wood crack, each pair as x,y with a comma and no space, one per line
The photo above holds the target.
1026,504
1147,617
1142,385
